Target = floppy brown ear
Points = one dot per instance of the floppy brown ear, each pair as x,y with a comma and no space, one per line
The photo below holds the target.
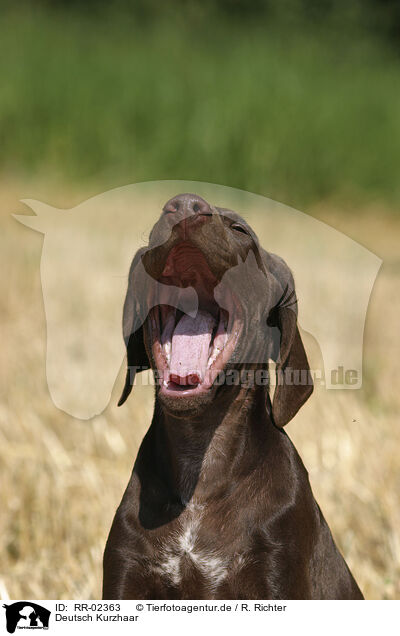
132,327
294,383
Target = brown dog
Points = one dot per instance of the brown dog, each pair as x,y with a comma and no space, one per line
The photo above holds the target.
219,505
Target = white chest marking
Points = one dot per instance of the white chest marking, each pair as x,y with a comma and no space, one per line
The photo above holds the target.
183,544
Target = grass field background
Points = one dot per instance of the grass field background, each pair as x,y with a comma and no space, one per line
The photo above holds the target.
307,114
296,113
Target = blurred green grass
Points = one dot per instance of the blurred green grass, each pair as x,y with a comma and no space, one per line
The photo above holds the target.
298,114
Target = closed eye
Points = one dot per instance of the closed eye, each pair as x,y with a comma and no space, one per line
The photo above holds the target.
238,228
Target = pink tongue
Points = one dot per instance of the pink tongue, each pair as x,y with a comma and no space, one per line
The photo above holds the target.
190,348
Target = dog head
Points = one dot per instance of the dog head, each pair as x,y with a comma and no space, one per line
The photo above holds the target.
204,299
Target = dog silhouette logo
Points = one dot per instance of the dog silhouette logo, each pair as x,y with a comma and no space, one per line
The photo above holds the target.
26,615
86,255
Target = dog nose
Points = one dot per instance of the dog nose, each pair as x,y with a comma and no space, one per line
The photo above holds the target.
187,205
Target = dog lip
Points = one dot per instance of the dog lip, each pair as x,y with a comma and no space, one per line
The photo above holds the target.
189,224
169,391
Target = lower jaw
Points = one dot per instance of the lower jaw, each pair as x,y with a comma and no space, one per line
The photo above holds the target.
181,394
189,404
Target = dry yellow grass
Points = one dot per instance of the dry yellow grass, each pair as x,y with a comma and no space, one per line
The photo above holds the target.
62,478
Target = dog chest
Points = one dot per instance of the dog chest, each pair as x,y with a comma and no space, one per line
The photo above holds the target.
188,556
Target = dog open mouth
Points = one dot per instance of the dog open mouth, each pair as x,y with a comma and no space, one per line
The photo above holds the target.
190,351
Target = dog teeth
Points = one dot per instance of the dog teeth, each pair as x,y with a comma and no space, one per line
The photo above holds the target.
220,340
167,351
166,335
